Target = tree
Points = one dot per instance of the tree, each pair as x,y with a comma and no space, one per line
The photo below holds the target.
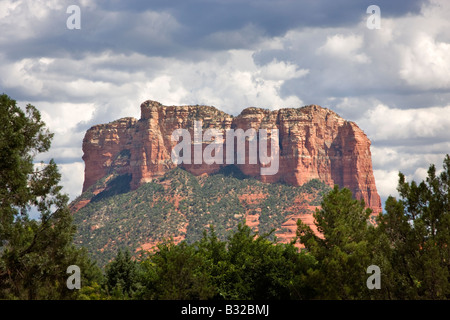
344,249
417,231
247,266
254,267
122,275
175,272
34,254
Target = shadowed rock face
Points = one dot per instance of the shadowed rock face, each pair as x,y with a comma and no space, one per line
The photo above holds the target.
314,142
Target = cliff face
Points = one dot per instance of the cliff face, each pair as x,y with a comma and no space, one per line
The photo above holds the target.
313,142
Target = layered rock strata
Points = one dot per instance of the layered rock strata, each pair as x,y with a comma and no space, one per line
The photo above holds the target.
313,142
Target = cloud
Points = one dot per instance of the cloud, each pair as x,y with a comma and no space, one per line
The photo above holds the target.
229,81
71,179
426,64
386,183
344,47
394,126
280,71
173,29
388,162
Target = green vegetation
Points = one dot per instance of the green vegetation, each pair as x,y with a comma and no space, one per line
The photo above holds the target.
414,237
410,243
34,254
345,250
243,267
180,204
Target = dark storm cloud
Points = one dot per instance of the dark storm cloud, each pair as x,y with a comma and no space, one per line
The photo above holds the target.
275,17
201,20
184,28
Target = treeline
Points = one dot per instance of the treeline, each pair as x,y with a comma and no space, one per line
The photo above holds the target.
244,267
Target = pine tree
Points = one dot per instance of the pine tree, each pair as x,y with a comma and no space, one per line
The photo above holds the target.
122,275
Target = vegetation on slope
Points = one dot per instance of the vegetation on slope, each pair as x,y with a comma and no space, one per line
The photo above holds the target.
180,204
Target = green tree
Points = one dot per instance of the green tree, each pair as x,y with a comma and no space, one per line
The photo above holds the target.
253,267
417,234
175,272
122,276
34,254
246,266
344,250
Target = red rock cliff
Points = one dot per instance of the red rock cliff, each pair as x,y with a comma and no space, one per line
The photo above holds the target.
314,142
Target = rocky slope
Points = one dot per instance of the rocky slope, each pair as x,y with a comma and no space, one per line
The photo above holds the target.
181,206
314,143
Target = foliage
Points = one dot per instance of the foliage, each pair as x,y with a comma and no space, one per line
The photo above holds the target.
409,242
255,268
176,272
121,275
416,231
246,266
34,254
344,248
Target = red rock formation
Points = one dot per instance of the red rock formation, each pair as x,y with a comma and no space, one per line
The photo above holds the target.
314,142
102,145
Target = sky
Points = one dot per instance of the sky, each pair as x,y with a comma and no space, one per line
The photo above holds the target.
393,81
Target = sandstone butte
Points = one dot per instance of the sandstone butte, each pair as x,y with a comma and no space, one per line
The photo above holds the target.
314,142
